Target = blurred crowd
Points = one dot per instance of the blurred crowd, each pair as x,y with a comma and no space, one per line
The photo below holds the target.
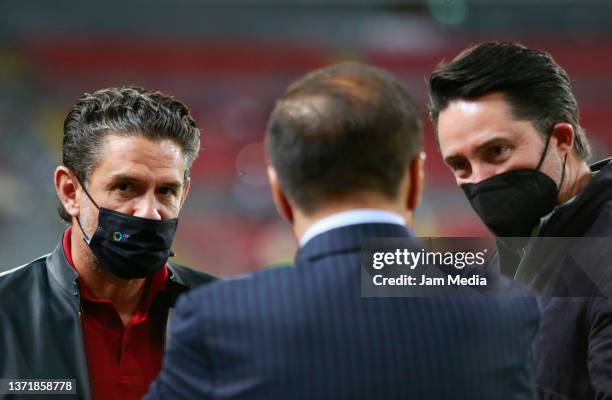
229,224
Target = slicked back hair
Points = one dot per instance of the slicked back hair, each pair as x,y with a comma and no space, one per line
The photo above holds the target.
125,111
535,86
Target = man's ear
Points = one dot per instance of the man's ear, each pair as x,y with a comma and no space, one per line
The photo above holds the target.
66,186
416,173
283,207
565,135
186,187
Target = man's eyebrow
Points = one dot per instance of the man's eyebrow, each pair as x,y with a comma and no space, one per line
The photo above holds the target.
175,184
493,140
479,148
124,178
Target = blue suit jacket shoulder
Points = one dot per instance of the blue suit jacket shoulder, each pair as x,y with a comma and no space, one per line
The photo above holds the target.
306,333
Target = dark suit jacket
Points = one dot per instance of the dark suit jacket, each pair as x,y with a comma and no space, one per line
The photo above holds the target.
306,333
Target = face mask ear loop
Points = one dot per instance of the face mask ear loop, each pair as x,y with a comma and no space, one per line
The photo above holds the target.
85,238
544,153
562,175
87,193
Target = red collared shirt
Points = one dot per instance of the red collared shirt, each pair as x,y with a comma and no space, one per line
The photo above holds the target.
123,360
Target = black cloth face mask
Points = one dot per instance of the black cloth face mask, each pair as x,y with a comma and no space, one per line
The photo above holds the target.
131,247
511,204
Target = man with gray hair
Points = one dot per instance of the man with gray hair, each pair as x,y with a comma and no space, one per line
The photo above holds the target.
93,313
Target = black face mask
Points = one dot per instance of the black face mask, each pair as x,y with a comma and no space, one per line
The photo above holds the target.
131,247
511,204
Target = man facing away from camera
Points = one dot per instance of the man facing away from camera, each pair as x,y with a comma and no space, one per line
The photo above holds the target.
344,147
508,127
95,309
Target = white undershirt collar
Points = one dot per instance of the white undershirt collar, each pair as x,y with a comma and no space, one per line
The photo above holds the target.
351,217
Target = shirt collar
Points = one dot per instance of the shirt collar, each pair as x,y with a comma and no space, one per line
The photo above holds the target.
351,217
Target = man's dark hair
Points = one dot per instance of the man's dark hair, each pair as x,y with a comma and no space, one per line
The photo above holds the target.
537,88
126,111
342,130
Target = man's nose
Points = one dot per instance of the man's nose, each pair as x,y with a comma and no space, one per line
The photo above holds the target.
148,207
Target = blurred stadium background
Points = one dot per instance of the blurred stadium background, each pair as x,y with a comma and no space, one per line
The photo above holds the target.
228,61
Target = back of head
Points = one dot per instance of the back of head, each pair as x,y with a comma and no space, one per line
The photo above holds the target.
535,86
341,131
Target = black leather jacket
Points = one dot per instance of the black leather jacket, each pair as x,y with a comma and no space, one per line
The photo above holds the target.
40,324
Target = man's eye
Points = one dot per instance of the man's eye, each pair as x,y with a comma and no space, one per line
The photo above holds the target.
165,191
123,187
498,151
458,165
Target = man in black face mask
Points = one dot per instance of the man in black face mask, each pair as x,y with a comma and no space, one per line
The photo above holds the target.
95,310
507,125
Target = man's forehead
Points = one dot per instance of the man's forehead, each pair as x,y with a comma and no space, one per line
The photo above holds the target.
466,124
468,107
125,155
135,144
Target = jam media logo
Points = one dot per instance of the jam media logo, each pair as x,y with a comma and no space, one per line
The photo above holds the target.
119,237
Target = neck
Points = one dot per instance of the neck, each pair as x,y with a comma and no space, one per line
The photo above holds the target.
302,222
577,178
125,295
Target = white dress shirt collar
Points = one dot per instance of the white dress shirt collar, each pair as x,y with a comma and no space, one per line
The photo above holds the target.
351,217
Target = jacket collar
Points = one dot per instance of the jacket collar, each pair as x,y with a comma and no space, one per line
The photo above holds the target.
347,239
60,269
577,215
